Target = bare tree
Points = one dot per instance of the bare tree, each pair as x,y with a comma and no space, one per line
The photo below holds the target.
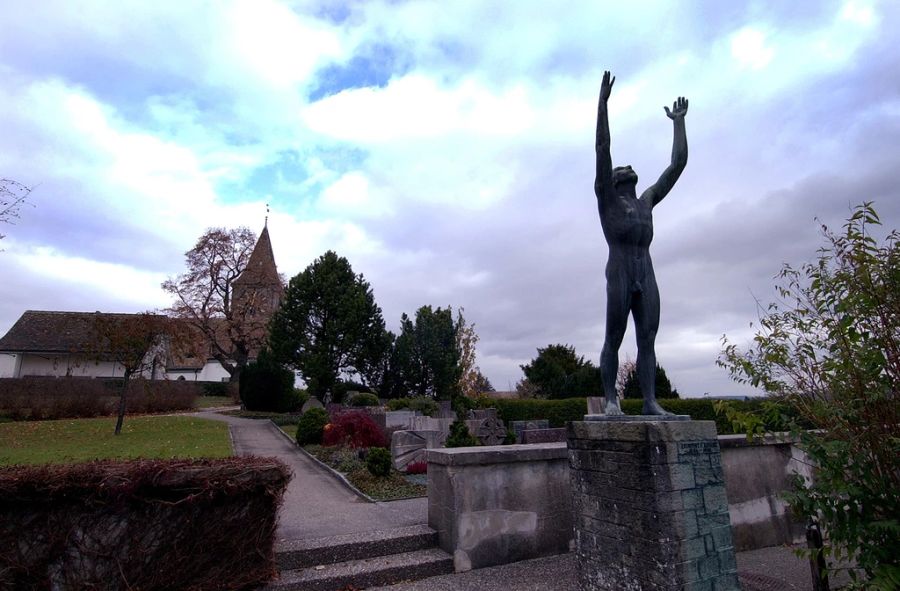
139,343
205,297
12,196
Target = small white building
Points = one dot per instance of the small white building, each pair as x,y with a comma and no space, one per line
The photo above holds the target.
57,344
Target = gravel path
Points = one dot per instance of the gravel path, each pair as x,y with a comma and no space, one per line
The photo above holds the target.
316,505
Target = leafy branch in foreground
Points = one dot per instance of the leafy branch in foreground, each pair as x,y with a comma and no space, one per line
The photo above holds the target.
828,349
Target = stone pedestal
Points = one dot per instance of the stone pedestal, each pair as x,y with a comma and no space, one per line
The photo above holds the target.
650,505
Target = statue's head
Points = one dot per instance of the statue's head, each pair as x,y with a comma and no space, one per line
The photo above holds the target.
623,175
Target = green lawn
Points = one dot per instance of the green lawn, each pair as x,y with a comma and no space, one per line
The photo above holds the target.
213,401
79,440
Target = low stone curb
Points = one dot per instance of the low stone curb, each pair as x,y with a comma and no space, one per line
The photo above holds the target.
332,471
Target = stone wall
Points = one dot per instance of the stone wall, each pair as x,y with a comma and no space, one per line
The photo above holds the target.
492,504
755,473
499,504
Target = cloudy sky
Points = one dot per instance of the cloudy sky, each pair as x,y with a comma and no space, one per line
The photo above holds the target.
446,149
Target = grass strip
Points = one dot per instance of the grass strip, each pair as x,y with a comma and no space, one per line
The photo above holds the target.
80,440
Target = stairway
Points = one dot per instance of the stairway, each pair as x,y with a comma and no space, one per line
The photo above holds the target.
361,560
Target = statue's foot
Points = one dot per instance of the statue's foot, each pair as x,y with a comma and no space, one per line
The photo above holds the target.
612,409
652,407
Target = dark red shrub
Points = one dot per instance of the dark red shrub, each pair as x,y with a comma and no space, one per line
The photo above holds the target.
355,429
111,525
420,467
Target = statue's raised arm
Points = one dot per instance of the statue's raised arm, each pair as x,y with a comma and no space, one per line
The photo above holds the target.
603,184
658,191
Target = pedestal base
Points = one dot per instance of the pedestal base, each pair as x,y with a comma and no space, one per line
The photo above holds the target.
650,506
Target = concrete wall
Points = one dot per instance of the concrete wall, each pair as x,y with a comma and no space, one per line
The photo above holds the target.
499,504
21,365
755,475
29,364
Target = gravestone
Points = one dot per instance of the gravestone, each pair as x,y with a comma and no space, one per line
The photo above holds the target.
519,426
311,403
409,446
544,435
650,505
488,431
445,410
431,424
400,418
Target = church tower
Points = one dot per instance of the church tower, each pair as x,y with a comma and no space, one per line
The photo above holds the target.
258,290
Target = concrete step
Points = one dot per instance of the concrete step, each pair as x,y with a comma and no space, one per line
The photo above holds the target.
367,572
298,554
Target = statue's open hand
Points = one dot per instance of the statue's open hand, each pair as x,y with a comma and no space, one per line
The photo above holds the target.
679,108
606,86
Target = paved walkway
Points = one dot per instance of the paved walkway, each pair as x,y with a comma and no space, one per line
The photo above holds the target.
316,505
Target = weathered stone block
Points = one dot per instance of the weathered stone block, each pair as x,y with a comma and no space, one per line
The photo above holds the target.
519,426
500,504
651,506
410,446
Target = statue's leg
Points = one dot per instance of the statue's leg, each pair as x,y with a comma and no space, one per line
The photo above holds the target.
618,302
645,308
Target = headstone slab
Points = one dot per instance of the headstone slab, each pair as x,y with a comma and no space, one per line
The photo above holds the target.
595,405
400,418
313,402
519,426
650,506
409,446
488,431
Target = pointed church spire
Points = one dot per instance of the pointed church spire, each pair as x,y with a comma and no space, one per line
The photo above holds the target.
261,269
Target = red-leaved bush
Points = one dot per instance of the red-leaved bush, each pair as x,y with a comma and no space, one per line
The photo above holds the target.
354,429
420,467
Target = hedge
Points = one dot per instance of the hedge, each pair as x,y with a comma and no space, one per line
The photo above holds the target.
63,398
146,524
559,412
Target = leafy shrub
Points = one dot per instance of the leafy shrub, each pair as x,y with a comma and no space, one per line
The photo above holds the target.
62,398
420,467
460,436
662,385
378,462
354,429
266,385
560,412
219,389
426,406
365,399
311,426
341,387
828,346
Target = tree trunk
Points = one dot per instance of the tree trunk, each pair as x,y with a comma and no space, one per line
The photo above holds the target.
121,417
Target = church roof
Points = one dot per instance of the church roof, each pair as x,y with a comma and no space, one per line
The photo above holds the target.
261,269
43,331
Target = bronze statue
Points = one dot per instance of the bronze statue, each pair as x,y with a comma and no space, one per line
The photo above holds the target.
628,228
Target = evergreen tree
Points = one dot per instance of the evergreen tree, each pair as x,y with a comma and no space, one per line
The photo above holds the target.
328,325
663,386
558,372
426,355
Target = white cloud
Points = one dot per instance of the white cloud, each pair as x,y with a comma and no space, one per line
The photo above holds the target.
749,47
